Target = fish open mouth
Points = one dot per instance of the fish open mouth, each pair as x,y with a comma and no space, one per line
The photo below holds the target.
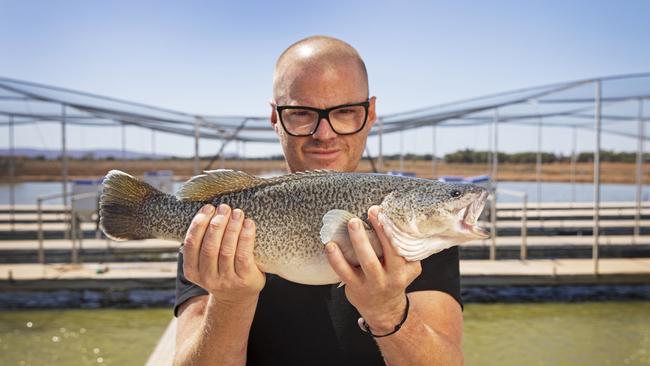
469,215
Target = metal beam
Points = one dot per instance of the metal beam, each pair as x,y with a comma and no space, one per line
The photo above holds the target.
64,156
12,173
639,174
538,166
596,176
123,142
64,165
493,178
574,160
197,135
434,144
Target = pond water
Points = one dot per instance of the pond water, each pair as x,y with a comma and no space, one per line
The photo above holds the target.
591,333
27,192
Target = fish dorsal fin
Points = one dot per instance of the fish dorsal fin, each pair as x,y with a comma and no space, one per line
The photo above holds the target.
216,182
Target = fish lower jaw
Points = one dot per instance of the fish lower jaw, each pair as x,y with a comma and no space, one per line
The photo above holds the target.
472,230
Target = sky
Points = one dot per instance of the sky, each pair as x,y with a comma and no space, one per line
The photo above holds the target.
217,58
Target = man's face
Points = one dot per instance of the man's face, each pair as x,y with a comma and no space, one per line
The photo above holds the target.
324,88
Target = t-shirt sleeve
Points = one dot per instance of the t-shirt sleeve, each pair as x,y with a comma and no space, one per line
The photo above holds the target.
440,272
185,289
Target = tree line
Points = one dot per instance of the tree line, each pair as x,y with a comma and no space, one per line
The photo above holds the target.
472,156
469,156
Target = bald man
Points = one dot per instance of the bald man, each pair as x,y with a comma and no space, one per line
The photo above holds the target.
322,113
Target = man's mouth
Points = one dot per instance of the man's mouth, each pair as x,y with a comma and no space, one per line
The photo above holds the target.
323,154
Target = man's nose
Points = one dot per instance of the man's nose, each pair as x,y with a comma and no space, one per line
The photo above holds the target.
324,131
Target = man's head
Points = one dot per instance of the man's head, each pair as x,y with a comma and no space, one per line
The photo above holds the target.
321,72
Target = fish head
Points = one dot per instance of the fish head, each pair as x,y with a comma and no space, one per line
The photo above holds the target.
435,212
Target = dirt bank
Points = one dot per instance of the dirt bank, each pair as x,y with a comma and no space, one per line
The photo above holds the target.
39,170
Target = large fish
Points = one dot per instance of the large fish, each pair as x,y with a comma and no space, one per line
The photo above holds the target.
296,214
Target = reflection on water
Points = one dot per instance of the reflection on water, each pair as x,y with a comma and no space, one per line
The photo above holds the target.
80,337
602,333
598,333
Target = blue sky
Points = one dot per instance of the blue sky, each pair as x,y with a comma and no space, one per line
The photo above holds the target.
217,57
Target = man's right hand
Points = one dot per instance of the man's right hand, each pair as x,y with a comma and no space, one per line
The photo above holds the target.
218,255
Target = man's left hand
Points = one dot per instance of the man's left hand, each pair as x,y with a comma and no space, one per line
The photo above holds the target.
376,288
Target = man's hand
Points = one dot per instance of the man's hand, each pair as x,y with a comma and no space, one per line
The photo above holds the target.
218,255
376,289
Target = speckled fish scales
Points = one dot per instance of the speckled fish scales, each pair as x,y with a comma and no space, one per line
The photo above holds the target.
294,214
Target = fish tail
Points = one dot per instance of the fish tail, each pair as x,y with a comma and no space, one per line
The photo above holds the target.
120,206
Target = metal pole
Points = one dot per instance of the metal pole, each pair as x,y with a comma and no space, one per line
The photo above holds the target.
596,176
197,126
237,157
123,142
243,153
493,207
524,229
433,153
39,212
64,165
639,175
401,150
12,173
574,160
64,156
381,147
489,152
538,166
153,147
75,258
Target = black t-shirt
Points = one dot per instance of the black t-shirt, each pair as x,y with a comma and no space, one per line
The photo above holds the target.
298,324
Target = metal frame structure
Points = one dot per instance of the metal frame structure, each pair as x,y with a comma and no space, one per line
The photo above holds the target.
601,105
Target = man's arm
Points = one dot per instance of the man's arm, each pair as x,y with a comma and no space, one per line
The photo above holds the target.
218,256
432,333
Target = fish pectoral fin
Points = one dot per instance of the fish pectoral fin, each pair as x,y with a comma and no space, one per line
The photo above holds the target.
335,228
216,182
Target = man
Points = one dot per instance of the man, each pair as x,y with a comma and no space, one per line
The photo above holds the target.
230,313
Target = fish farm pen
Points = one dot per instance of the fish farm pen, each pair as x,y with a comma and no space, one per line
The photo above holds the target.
568,249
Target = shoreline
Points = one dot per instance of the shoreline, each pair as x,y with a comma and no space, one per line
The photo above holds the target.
50,170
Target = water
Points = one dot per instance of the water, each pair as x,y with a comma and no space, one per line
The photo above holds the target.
598,333
27,192
80,337
602,333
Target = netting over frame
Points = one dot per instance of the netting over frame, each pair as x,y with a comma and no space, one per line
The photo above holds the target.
566,104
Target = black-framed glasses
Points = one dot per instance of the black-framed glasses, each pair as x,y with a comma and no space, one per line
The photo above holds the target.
345,119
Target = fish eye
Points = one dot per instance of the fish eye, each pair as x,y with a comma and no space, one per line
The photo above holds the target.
455,193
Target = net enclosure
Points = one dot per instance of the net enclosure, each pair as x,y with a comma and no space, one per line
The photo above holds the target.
616,101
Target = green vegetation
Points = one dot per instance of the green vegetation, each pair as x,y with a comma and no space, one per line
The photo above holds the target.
471,156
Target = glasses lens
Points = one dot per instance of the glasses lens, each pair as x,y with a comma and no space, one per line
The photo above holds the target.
299,121
348,119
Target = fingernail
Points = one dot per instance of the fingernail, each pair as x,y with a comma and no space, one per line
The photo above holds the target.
330,247
354,224
222,210
236,214
248,223
207,209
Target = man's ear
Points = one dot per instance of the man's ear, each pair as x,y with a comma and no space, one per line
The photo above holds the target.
372,113
274,114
